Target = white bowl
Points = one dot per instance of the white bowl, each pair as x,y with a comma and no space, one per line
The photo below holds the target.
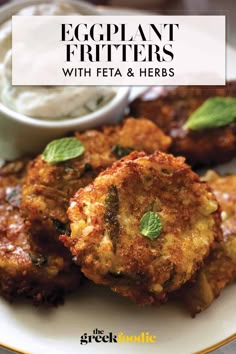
22,135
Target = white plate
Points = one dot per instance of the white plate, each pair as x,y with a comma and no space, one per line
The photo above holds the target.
58,330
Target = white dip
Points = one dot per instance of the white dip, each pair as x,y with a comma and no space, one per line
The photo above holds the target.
48,102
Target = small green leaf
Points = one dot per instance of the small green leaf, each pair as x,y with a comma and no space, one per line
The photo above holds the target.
150,225
213,113
121,151
111,214
62,150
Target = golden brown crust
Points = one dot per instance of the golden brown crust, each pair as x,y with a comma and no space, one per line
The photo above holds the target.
171,109
105,237
41,271
219,268
48,187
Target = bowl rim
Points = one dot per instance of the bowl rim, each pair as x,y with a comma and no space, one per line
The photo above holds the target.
121,92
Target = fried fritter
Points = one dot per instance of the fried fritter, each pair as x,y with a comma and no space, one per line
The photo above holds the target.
42,272
220,267
49,187
105,237
171,109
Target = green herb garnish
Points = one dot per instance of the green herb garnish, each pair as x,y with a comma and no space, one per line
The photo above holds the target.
88,167
61,228
213,113
62,150
38,260
150,225
121,151
111,214
100,100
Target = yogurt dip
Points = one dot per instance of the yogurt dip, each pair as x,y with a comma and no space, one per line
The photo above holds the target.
48,102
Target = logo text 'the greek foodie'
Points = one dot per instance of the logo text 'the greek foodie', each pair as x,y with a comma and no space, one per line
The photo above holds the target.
99,336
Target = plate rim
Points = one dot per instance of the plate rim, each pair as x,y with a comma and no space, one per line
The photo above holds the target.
12,349
203,351
217,345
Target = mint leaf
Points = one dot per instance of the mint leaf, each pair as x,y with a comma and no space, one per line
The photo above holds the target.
150,225
62,150
213,113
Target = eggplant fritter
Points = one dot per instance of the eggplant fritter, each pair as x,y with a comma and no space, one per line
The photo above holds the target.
105,237
38,270
220,267
171,109
49,187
